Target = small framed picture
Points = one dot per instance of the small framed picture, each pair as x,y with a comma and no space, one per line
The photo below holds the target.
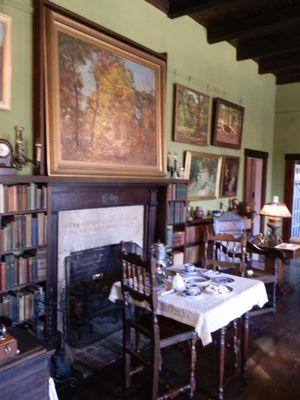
229,176
5,62
203,170
228,124
192,115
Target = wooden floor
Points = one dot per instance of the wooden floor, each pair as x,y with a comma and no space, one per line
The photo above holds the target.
273,366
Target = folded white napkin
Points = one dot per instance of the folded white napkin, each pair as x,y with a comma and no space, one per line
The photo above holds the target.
166,291
217,289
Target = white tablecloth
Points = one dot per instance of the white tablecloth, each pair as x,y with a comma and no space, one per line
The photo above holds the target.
206,312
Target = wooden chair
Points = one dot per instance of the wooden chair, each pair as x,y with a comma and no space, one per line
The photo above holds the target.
225,252
138,285
270,279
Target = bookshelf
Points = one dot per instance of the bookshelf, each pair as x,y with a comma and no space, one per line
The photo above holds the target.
23,253
176,205
194,246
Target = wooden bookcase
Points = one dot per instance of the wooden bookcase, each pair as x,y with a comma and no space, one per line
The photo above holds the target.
194,246
23,253
176,207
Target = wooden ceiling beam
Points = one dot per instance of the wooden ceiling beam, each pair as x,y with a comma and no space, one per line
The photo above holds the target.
267,47
178,8
287,78
276,64
162,5
252,26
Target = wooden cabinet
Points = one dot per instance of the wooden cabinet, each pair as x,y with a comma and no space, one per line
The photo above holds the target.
26,376
23,252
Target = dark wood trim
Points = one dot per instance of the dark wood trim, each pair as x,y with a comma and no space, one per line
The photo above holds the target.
264,48
162,5
256,153
264,156
178,8
252,26
39,86
270,64
282,79
290,161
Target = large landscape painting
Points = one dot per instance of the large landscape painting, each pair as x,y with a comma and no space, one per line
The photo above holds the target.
5,61
108,109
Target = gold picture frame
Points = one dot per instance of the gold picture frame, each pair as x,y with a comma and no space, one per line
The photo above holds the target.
203,170
105,102
192,116
5,62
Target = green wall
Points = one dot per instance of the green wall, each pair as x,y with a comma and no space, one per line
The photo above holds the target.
287,131
211,69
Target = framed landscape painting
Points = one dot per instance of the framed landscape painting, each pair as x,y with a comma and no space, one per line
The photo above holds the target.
5,62
203,170
105,102
229,176
192,112
228,124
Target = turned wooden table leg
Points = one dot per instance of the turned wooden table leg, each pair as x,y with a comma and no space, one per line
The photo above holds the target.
221,363
245,341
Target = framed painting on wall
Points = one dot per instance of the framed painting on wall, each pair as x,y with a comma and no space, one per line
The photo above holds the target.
228,124
105,102
229,176
192,115
203,170
5,62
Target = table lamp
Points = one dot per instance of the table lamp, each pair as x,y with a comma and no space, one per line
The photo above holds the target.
275,210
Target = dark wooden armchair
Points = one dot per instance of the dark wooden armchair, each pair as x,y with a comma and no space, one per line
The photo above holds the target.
138,285
225,252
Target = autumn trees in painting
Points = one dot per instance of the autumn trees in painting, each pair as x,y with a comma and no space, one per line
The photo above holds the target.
107,105
5,61
192,116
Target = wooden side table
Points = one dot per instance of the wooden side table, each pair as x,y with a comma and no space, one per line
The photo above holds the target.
26,376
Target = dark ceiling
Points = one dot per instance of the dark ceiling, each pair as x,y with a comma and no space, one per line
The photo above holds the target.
267,31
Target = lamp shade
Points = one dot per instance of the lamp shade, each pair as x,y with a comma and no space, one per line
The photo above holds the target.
274,209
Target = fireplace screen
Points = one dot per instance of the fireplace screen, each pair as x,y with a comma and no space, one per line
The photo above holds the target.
89,276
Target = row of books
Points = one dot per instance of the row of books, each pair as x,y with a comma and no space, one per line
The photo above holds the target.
15,271
20,305
177,257
193,254
175,238
22,197
22,231
176,213
176,191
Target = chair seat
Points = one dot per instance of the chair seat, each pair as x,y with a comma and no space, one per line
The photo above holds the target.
263,276
171,331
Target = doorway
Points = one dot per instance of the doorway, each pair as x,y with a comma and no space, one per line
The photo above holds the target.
255,177
291,226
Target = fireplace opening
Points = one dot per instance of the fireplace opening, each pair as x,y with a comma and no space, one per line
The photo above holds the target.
89,275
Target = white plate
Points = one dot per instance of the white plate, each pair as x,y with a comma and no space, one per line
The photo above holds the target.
199,280
222,279
191,295
209,289
191,273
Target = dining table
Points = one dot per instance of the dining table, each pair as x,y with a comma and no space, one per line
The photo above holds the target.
209,311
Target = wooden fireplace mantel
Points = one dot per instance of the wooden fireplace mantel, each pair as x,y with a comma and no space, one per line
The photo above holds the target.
76,193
